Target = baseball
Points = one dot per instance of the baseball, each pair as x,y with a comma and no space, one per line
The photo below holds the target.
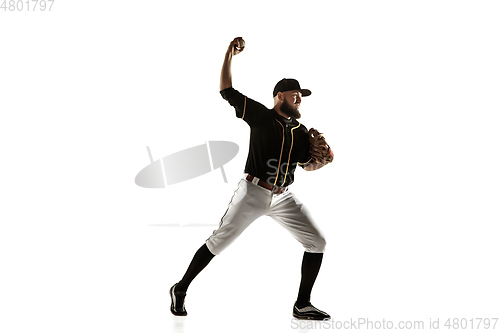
240,43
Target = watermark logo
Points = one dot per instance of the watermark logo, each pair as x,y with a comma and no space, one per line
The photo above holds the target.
187,164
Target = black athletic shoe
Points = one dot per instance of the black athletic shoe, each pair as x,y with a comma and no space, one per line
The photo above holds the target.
309,312
177,308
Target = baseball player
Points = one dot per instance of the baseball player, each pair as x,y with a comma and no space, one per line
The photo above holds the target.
278,142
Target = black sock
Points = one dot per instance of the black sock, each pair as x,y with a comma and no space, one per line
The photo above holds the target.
200,260
311,263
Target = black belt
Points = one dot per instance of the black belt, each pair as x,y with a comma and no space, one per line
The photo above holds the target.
274,189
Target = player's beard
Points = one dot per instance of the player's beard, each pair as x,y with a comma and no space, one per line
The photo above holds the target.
289,110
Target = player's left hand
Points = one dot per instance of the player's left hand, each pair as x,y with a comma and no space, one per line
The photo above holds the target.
320,150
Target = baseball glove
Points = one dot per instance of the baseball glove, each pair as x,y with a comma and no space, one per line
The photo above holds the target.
320,150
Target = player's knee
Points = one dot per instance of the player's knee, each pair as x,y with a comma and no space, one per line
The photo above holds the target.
212,248
318,245
321,244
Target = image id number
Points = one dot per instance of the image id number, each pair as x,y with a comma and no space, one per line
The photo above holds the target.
27,5
471,323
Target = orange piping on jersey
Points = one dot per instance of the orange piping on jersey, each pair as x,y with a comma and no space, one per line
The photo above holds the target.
306,162
289,154
244,108
281,153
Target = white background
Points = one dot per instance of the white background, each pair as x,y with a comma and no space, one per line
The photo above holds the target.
406,92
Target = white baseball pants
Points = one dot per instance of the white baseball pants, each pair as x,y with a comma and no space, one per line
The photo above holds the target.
251,201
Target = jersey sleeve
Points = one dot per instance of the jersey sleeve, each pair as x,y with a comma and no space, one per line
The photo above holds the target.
304,157
252,112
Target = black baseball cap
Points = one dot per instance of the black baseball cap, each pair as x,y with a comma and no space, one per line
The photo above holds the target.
290,84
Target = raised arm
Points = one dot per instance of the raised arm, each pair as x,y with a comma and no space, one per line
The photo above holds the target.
237,46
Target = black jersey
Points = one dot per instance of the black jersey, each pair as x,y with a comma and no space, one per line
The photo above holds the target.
277,144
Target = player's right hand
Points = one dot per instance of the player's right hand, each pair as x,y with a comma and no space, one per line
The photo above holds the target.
237,46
